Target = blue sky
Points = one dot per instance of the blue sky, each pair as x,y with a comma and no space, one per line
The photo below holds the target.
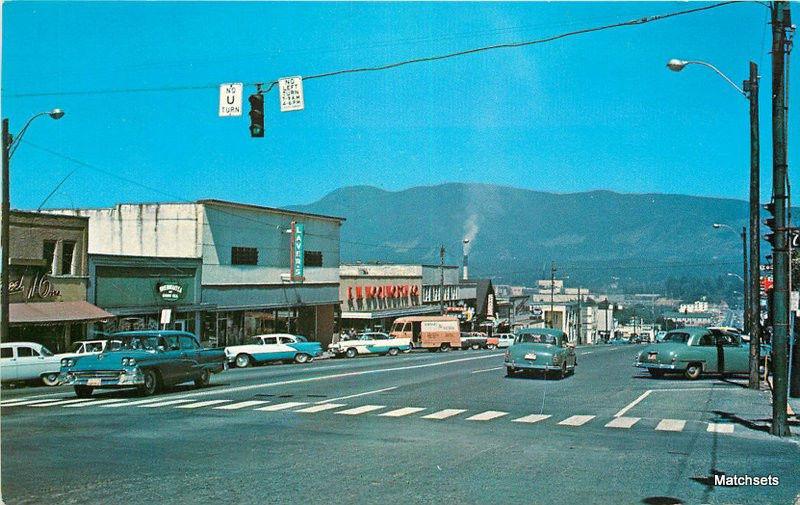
588,112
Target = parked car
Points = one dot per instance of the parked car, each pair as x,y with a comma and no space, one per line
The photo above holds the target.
660,336
28,361
693,351
146,360
373,342
540,350
504,340
273,347
473,340
83,347
619,341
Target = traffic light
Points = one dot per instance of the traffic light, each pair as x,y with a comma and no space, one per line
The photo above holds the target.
770,223
256,115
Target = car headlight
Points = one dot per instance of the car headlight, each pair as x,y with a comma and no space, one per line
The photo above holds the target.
128,362
67,362
556,359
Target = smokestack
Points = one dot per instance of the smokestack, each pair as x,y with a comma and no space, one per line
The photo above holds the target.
465,266
466,257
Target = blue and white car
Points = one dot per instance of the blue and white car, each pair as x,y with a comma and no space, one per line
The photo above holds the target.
372,342
273,347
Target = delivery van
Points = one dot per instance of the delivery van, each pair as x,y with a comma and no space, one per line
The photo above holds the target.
435,333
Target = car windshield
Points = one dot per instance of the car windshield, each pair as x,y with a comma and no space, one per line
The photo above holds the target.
532,338
676,337
142,343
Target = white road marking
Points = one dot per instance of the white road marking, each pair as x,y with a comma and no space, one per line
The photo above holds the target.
30,402
241,405
98,402
533,418
720,428
62,402
444,414
358,394
201,404
585,353
671,425
402,412
161,404
576,420
281,406
321,407
487,369
623,422
337,376
128,404
633,403
360,410
488,415
3,403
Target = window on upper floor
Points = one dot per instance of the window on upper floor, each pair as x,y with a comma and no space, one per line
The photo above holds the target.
68,258
48,254
244,256
312,258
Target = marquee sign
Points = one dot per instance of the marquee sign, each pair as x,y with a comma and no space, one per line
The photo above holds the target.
388,291
298,251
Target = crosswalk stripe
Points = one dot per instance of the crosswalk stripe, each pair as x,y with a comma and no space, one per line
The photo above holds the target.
281,406
201,404
402,412
129,404
671,425
533,418
487,416
241,405
720,428
164,404
321,407
444,414
3,403
32,402
360,410
98,402
623,422
576,420
63,402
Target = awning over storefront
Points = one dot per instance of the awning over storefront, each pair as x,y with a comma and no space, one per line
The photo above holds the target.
45,313
399,312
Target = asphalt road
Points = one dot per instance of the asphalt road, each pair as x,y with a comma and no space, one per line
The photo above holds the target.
358,431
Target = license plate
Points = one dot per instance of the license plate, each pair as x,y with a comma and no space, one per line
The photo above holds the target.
651,356
94,382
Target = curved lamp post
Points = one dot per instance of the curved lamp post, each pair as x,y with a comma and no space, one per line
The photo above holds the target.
752,320
9,146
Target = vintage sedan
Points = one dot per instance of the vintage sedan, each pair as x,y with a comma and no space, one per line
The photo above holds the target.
693,351
146,360
371,342
28,361
540,350
273,347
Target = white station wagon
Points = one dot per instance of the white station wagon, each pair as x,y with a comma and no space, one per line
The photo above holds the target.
26,361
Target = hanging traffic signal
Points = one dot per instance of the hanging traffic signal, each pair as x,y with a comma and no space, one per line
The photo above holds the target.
256,115
770,221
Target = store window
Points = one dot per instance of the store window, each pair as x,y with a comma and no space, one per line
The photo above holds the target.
244,256
67,257
313,258
49,253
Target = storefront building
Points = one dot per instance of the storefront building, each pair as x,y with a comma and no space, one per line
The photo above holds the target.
263,269
48,280
143,291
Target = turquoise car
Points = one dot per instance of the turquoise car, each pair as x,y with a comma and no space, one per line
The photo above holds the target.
145,360
540,350
693,351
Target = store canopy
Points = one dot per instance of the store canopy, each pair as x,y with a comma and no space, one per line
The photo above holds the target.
55,313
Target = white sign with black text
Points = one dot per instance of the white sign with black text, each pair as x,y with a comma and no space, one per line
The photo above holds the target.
230,99
291,93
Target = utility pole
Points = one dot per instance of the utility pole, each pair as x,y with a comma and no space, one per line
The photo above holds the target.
552,293
5,209
579,315
754,317
746,286
441,279
780,24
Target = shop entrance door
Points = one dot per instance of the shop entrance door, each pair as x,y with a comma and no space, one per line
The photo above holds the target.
222,331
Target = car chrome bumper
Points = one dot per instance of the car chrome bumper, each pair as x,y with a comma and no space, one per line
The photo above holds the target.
526,365
106,379
660,366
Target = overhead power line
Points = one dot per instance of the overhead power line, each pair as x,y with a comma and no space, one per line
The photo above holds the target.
389,66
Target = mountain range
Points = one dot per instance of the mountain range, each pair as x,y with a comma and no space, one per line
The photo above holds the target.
515,234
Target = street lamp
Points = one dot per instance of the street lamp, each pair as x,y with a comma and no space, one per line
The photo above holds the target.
9,146
752,322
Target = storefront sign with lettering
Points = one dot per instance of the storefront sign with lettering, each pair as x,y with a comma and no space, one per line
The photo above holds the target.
170,291
298,251
40,287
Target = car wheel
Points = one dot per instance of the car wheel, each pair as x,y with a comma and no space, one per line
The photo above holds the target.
393,351
693,371
83,391
243,361
655,372
50,379
444,347
150,385
491,347
203,380
351,353
475,347
509,371
302,358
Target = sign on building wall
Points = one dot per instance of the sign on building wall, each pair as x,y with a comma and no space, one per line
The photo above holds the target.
170,291
298,251
490,305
